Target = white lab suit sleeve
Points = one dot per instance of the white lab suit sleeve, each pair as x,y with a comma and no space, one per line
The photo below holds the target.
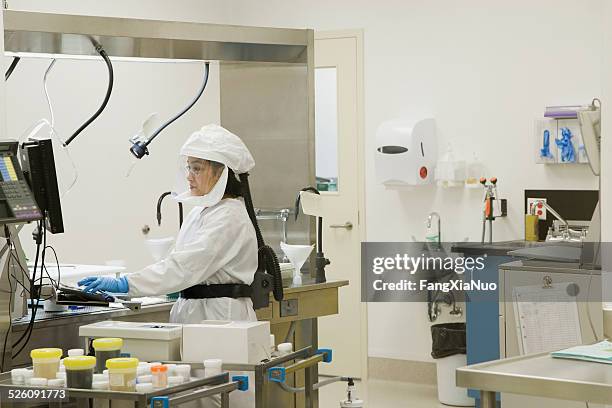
217,243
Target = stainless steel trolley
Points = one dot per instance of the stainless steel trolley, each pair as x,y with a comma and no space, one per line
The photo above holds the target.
297,368
195,389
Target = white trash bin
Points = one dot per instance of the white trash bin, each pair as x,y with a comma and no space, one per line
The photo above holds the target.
448,392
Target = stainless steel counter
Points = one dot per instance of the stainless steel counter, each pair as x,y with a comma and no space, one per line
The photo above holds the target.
549,267
61,329
85,314
302,304
539,375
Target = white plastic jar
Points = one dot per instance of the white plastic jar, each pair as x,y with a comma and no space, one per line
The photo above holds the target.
122,373
46,362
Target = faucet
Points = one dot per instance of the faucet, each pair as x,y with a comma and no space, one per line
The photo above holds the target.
430,218
566,234
159,204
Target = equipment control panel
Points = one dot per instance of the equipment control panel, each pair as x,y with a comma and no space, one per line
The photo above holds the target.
17,202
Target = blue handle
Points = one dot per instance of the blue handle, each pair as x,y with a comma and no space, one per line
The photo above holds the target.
327,355
277,374
243,382
160,402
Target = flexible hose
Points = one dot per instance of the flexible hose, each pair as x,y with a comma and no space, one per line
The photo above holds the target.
47,71
185,109
266,255
109,90
11,68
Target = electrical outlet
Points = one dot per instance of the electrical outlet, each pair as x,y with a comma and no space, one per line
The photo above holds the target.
540,210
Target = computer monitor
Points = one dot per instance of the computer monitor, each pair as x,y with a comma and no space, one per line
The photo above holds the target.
38,164
17,203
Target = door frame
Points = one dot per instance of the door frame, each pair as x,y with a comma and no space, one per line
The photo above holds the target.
357,34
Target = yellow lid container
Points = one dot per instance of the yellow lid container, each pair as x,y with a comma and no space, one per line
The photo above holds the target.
80,363
46,354
107,344
122,363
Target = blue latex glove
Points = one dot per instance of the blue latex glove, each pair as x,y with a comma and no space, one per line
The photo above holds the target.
105,284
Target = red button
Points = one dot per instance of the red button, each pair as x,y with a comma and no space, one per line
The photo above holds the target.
423,172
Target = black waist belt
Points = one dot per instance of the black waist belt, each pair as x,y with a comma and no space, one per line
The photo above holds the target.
230,290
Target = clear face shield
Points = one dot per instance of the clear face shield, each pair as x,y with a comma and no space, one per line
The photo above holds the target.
195,182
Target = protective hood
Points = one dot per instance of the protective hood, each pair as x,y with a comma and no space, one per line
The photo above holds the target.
213,143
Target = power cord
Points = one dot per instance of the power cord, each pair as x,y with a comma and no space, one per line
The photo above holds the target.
59,272
8,329
28,332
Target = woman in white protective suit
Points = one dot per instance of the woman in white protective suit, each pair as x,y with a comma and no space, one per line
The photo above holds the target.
216,255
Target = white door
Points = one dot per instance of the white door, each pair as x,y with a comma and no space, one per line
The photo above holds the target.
339,158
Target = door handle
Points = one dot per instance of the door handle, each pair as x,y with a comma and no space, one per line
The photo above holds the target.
347,225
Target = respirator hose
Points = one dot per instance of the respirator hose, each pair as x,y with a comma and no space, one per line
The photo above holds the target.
109,90
266,256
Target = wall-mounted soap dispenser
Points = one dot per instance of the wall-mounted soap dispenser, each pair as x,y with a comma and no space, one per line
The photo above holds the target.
406,152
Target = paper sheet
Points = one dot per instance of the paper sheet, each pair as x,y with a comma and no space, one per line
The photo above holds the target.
547,318
599,352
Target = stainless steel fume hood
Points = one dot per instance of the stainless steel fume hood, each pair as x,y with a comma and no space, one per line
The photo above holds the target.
61,34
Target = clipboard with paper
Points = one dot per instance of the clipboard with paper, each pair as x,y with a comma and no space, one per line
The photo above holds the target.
547,318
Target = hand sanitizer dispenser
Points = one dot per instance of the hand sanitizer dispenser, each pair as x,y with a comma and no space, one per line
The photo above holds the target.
406,152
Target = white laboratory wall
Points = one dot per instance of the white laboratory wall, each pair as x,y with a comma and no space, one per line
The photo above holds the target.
485,70
106,210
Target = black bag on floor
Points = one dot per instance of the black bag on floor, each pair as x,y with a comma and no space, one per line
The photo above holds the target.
448,339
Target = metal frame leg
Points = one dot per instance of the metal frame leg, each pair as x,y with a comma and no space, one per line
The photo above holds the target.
225,400
487,399
261,389
308,383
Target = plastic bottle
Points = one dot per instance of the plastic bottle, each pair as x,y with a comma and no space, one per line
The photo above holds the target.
46,362
143,369
160,376
145,388
474,171
144,379
99,378
56,383
76,352
79,371
27,376
183,370
38,382
175,380
122,374
171,369
106,348
285,348
17,376
100,385
212,367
